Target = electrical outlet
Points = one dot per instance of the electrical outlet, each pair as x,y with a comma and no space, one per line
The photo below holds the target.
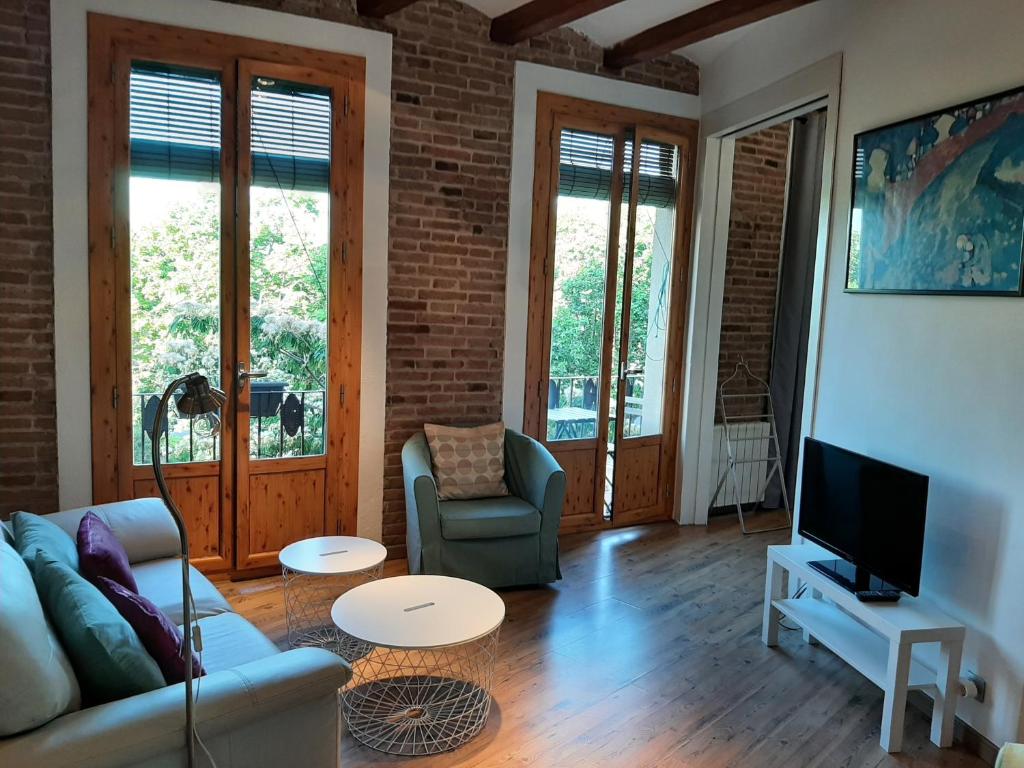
979,685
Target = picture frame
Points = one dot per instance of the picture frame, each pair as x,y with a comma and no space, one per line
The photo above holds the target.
937,202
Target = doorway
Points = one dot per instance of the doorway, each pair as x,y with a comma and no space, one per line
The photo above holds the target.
227,241
608,277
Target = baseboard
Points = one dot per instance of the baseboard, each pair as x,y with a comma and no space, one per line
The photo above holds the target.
964,735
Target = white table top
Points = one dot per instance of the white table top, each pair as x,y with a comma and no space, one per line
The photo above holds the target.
413,612
331,555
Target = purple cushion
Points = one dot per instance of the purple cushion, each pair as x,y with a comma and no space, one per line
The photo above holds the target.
100,554
161,639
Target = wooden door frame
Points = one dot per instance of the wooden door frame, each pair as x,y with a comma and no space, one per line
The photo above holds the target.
555,111
113,42
344,304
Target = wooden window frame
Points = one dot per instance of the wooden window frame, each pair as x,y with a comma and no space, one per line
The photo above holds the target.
113,43
554,112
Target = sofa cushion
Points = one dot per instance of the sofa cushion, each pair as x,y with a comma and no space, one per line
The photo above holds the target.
488,518
160,582
37,683
100,554
108,657
144,527
468,463
160,637
229,640
33,533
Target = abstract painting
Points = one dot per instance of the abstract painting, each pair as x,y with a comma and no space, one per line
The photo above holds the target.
938,202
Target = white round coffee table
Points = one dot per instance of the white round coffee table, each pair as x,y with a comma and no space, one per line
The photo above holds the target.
425,686
315,572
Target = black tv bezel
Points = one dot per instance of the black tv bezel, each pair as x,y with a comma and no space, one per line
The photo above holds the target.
913,589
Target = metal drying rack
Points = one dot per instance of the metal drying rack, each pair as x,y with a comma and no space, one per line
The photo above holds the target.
743,449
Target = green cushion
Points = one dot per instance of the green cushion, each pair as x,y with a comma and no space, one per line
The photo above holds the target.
490,518
37,683
108,657
33,533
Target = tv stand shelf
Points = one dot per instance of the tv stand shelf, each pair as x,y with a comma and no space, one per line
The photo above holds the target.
876,639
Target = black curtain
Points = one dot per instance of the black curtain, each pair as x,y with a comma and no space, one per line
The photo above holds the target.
793,306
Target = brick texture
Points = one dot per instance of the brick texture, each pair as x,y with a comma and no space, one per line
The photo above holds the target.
450,163
28,435
752,261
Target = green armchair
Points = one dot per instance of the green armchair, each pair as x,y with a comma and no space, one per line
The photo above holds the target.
503,541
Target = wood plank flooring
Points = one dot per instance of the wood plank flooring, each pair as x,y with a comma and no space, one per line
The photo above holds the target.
648,655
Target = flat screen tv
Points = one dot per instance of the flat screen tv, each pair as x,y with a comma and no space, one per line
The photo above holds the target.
869,513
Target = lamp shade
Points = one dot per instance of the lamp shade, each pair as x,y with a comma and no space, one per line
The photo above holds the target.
199,397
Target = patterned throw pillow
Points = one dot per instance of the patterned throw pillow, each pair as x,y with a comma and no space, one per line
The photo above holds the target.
469,463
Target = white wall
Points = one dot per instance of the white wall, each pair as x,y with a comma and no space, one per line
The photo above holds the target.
70,226
930,383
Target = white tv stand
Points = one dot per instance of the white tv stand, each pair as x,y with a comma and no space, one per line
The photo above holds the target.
876,639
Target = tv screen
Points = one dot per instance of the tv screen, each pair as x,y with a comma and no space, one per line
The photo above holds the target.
865,511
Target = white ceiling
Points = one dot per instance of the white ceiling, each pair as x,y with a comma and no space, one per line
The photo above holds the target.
626,18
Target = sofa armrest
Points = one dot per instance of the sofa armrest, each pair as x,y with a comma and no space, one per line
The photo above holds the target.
142,727
143,526
422,511
534,476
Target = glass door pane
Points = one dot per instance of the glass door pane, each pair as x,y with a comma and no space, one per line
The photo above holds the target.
650,296
582,227
175,249
289,215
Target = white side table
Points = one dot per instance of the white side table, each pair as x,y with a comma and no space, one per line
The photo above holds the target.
315,572
426,685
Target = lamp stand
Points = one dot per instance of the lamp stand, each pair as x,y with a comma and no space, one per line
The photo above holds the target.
186,592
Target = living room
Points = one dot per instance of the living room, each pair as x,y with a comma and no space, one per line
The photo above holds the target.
356,220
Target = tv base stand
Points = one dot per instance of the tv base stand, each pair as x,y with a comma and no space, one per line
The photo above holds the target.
876,639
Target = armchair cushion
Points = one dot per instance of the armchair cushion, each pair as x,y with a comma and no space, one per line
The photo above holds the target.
492,518
469,463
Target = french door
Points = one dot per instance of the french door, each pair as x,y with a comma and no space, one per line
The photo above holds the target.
608,279
225,209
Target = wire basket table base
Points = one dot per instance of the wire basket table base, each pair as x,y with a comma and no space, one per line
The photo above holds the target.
308,599
420,702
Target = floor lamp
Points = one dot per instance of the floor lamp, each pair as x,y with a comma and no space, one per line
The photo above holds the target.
199,399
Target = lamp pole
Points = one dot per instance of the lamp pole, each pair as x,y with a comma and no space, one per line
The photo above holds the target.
199,399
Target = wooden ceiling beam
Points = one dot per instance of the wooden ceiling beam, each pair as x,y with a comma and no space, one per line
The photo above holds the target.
378,9
540,16
690,28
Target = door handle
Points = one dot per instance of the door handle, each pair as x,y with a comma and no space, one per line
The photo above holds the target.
244,376
624,371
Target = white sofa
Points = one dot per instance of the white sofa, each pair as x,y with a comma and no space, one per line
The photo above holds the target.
257,706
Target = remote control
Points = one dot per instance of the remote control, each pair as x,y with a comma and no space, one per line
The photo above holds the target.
878,595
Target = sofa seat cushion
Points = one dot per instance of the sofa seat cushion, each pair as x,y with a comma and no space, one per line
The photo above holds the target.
160,582
229,641
37,683
491,518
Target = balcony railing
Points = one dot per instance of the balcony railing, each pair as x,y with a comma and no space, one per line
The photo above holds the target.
572,407
282,423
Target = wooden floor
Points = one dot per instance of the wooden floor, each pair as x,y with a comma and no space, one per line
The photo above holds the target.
648,654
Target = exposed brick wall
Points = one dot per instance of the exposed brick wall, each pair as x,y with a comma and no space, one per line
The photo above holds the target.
28,435
450,163
752,261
